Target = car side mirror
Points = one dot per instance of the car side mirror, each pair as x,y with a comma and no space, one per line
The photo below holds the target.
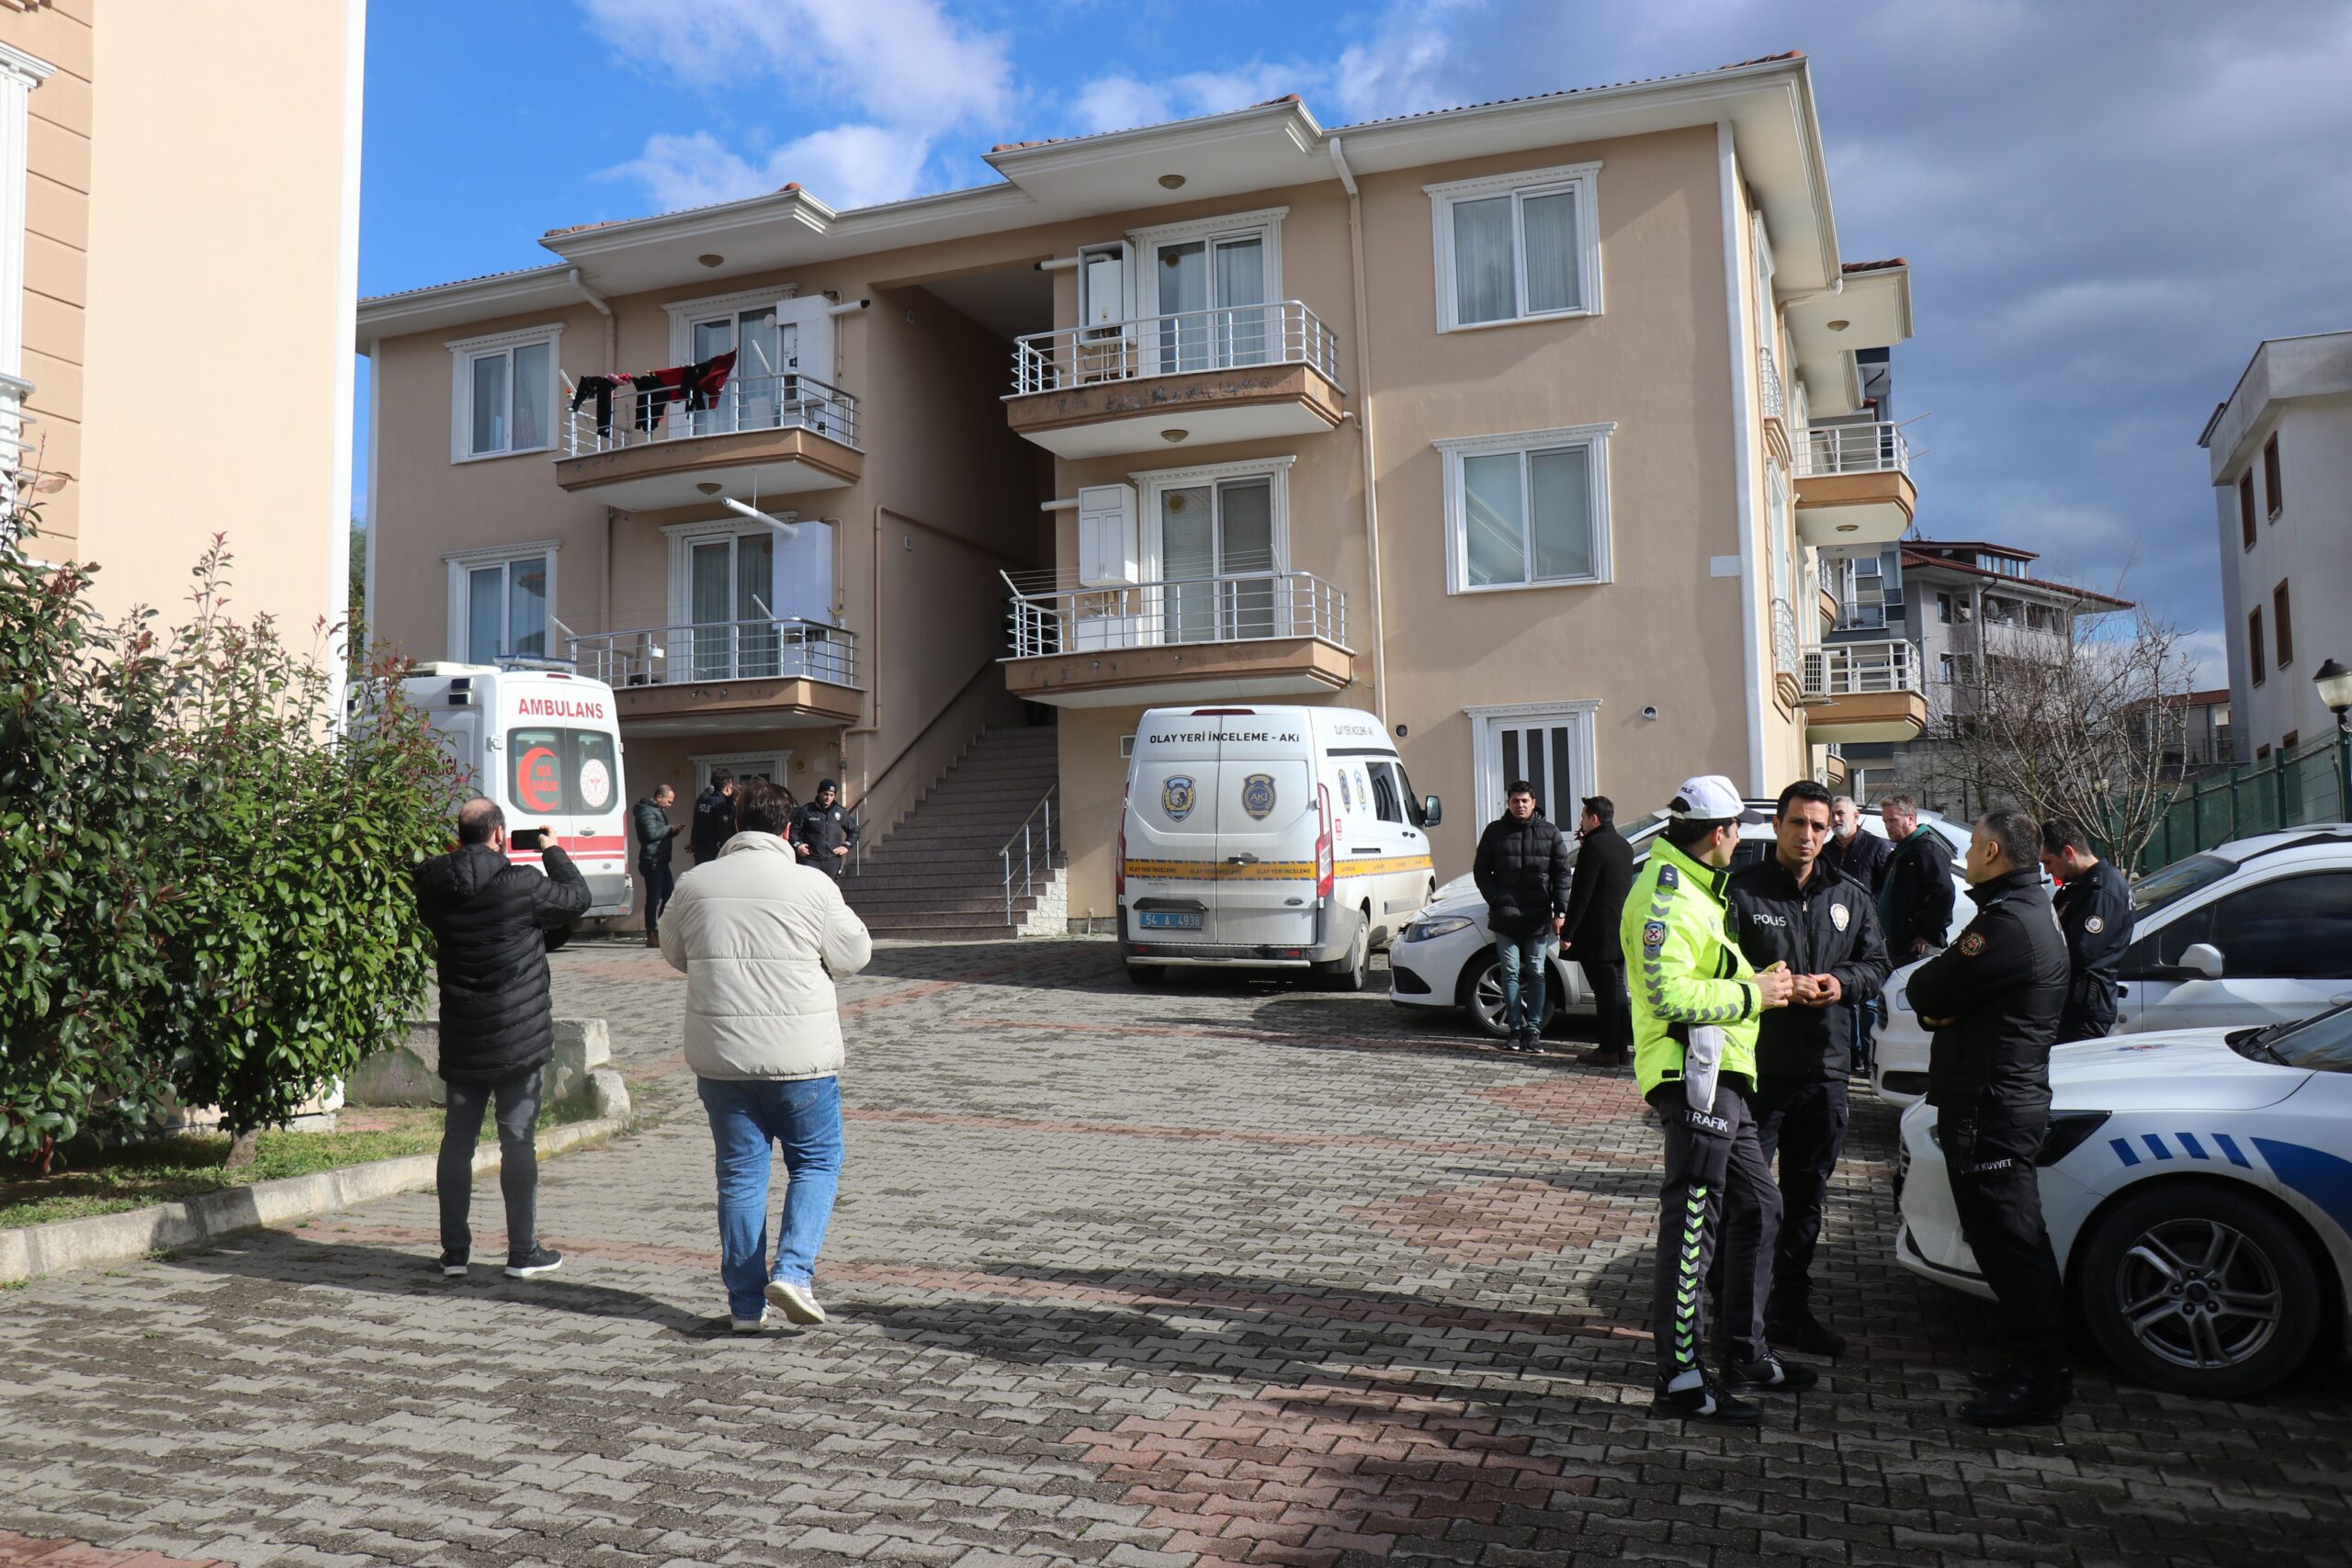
1432,810
2202,959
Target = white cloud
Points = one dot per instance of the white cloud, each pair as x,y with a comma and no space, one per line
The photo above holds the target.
844,165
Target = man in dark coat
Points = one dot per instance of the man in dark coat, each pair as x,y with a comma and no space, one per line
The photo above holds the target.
492,923
1521,870
1860,856
714,817
650,817
822,832
1994,998
2094,912
1914,897
1604,874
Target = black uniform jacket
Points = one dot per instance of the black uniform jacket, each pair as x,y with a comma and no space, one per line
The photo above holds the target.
1916,894
1521,870
654,831
1993,997
714,824
823,829
2095,913
490,920
1604,874
1829,926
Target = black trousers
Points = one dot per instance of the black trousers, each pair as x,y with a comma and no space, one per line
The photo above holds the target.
1803,1126
1989,1149
1613,1004
659,883
1718,1191
518,1160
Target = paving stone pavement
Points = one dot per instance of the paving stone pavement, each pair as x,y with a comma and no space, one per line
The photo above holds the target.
1228,1272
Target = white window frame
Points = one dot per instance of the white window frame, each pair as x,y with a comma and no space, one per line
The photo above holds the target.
1267,221
1581,180
461,562
777,766
1152,481
684,313
19,74
463,352
1577,713
1457,549
684,537
1768,332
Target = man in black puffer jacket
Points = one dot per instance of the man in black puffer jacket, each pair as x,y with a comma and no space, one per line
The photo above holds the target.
1522,872
492,923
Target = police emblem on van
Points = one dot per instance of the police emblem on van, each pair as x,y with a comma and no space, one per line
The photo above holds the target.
1258,795
1176,797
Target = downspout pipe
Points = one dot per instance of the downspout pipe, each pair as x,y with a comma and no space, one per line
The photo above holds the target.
611,328
1368,448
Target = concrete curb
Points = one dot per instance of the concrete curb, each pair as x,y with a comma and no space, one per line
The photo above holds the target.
28,1252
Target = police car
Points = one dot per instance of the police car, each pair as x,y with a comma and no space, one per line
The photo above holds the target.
2197,1188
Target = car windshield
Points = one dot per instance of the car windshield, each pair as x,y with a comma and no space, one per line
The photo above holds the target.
2322,1042
2161,889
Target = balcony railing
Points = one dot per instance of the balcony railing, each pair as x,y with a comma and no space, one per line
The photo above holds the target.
1768,372
1166,614
788,649
1231,336
636,417
1784,636
1853,449
1860,668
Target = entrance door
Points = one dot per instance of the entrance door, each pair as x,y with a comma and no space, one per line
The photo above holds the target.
1551,749
730,588
1206,289
1216,557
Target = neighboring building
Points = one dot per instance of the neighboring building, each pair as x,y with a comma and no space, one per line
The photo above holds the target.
2281,453
2195,729
178,262
1600,348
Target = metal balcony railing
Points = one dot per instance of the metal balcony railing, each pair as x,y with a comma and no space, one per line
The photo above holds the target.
784,649
1768,375
641,415
1784,637
1860,668
1285,332
1853,449
1240,608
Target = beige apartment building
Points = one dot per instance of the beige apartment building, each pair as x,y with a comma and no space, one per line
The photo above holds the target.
158,227
1534,428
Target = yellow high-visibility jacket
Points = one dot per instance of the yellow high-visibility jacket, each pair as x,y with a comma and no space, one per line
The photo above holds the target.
1684,967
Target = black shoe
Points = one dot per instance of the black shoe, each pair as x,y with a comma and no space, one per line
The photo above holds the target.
1800,1330
1769,1374
2029,1401
531,1264
1705,1402
1991,1379
454,1264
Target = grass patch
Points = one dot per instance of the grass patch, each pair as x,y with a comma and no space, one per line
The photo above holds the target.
98,1180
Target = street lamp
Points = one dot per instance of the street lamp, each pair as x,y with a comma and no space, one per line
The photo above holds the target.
2334,685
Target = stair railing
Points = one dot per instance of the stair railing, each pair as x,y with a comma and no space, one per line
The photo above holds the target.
1035,839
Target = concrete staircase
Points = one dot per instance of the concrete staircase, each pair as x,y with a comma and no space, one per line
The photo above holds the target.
936,873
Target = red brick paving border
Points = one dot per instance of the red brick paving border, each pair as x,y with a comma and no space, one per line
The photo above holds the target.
1513,1220
15,1550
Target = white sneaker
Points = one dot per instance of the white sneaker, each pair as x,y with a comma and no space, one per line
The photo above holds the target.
758,1324
798,1301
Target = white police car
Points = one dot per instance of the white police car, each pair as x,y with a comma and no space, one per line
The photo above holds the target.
2198,1188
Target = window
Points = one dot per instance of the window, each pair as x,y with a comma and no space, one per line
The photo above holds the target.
503,394
740,595
1944,608
1517,247
2246,508
2254,646
1217,538
2284,631
1527,510
2290,741
570,772
2296,929
2272,488
501,603
2261,752
1385,804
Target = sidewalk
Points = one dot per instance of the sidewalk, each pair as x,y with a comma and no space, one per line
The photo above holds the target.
1226,1273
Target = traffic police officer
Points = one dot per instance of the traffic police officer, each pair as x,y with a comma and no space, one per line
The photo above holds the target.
1696,1001
2094,912
1994,998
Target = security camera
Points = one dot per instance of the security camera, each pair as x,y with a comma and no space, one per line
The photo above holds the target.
1649,713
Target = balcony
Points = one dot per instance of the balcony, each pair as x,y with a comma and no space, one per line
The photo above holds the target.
1214,638
1775,403
767,436
716,676
1864,692
1785,654
1854,485
1193,378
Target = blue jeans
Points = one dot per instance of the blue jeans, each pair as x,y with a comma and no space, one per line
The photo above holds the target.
1524,960
803,1115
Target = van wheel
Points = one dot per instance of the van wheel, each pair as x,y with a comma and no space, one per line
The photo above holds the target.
1148,974
1481,995
1353,973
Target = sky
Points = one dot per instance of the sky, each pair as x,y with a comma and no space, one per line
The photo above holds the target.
2106,206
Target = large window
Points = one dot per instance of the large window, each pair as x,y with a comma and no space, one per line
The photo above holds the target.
2298,928
571,772
1517,247
501,603
504,396
2273,490
2245,509
2253,649
1527,510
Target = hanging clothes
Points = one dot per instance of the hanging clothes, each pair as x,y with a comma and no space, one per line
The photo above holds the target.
697,386
707,379
656,389
600,388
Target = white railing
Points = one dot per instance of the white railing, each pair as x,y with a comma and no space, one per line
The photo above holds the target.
634,416
1034,839
1854,449
1860,668
1285,332
782,648
13,450
1768,374
1784,637
1157,614
1854,617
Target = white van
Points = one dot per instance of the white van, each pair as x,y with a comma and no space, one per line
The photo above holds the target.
546,745
1268,837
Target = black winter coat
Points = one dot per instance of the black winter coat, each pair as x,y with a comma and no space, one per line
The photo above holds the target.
2094,916
713,825
1522,872
1863,857
1914,897
654,831
1828,927
823,829
1994,997
491,921
1604,876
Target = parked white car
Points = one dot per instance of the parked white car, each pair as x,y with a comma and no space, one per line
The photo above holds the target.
2198,1188
2259,930
1444,957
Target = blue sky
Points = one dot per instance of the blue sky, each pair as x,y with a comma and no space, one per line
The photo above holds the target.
2107,204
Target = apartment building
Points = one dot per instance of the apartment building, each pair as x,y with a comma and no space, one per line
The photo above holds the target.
1526,426
156,231
2280,448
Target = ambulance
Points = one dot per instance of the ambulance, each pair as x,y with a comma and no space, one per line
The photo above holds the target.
1278,837
546,745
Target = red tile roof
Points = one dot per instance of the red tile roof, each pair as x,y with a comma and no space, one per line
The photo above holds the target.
1915,558
1877,266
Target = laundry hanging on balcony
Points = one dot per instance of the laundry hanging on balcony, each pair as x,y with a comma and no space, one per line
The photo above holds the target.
601,389
696,385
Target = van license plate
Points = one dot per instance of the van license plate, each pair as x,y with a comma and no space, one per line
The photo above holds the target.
1172,920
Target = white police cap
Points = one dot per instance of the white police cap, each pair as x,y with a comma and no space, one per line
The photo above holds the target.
1711,797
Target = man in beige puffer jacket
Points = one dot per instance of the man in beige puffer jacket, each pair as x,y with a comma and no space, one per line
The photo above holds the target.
760,940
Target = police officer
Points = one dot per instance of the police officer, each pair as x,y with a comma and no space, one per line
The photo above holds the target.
1793,909
2094,911
714,817
1696,1001
1994,999
823,834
